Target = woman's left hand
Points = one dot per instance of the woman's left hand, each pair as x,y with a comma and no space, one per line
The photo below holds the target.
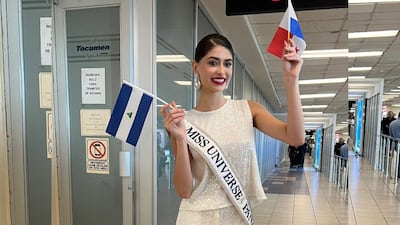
291,61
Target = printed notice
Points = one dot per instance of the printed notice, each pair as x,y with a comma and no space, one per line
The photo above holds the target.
93,86
45,41
94,122
46,90
97,160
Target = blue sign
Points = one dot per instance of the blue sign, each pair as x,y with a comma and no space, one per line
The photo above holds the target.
317,148
359,124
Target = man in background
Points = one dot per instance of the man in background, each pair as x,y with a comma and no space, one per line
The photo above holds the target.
394,132
386,122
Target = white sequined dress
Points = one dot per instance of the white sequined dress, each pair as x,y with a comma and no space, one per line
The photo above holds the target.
231,126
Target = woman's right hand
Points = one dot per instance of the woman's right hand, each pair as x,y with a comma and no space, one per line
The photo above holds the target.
173,120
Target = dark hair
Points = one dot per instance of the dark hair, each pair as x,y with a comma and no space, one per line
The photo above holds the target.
209,42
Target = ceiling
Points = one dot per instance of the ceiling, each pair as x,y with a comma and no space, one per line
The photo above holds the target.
322,29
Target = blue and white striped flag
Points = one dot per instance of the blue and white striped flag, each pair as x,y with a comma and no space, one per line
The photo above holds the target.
129,114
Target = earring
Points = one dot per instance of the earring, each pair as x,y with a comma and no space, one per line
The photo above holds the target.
196,82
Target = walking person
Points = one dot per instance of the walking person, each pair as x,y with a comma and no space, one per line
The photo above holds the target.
229,123
394,132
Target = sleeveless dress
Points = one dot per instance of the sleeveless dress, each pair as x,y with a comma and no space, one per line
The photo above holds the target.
231,126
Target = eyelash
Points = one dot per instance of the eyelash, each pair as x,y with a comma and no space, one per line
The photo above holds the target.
214,63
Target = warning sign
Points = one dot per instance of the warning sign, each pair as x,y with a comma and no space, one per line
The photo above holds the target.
97,160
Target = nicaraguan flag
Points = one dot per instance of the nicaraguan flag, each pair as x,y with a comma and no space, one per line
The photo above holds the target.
129,113
289,27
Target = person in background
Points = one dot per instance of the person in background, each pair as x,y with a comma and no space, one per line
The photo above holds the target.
386,122
230,123
394,132
338,145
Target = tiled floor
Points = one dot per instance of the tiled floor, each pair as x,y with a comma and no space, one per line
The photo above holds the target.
305,197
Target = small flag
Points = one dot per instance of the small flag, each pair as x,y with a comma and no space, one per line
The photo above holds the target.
288,28
129,114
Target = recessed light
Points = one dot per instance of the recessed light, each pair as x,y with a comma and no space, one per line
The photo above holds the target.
324,81
355,69
183,82
356,77
327,95
371,1
171,58
373,34
365,54
314,106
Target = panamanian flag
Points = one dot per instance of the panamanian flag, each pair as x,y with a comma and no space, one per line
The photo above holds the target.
289,27
129,113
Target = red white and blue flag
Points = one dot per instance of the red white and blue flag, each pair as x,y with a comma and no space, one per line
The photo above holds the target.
288,28
129,113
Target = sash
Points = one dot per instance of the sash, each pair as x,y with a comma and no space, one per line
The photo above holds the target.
219,165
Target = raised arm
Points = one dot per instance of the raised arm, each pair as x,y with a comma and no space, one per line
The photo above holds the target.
291,132
173,123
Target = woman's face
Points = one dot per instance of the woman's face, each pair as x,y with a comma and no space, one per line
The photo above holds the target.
215,69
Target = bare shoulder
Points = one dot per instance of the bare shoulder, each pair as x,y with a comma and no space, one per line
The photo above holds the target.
256,108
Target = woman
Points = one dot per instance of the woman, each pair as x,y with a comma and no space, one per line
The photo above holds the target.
230,123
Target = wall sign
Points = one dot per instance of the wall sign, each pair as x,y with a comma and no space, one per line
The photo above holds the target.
97,160
93,86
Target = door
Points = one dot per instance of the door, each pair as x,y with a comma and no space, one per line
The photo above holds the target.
90,64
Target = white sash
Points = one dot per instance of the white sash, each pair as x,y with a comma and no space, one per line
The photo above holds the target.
221,168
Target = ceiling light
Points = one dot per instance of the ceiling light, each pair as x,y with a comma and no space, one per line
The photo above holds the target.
395,90
354,69
355,95
324,81
390,93
396,105
183,82
312,113
171,58
314,106
327,95
371,1
356,77
373,34
327,53
364,54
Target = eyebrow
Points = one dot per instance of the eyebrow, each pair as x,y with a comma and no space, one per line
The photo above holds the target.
216,58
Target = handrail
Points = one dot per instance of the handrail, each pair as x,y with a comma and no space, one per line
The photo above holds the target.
388,157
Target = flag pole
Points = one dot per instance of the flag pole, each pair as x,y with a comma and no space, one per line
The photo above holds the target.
148,93
287,11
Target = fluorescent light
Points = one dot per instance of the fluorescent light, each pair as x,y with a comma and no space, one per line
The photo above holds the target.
356,77
396,105
327,53
390,93
337,53
324,81
172,58
355,69
183,82
395,90
327,95
314,106
312,113
365,54
373,34
371,1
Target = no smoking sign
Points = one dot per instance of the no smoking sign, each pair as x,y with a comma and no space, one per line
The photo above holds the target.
97,155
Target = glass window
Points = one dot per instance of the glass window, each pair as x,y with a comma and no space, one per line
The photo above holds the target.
175,37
